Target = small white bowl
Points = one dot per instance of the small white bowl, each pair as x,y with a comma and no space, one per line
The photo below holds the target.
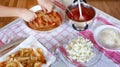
102,41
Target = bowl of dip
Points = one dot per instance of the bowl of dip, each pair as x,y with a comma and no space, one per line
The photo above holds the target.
108,37
72,13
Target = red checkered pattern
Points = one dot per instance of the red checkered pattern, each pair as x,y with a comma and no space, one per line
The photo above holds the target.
55,37
58,36
113,55
50,39
110,54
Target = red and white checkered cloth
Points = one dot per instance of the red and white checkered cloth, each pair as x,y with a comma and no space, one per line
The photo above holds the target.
60,35
19,30
113,55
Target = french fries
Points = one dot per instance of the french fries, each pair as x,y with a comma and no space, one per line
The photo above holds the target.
45,21
25,57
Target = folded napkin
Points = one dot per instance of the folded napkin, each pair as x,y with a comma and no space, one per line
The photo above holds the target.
101,20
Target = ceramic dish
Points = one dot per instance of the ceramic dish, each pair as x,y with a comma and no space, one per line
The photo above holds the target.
46,22
108,37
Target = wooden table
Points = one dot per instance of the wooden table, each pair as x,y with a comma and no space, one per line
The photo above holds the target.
109,6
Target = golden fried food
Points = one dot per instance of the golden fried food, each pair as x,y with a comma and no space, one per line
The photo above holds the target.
45,21
25,57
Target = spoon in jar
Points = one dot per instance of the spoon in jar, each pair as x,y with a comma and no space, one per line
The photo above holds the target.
80,11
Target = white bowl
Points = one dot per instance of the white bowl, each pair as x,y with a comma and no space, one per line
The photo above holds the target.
37,8
105,41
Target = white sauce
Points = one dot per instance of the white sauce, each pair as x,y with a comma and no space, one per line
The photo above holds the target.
110,38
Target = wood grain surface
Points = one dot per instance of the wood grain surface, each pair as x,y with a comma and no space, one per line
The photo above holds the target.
109,6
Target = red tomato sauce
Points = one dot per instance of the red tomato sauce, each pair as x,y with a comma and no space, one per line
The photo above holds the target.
87,12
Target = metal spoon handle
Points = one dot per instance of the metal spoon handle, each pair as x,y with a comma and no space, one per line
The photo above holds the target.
81,1
80,11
